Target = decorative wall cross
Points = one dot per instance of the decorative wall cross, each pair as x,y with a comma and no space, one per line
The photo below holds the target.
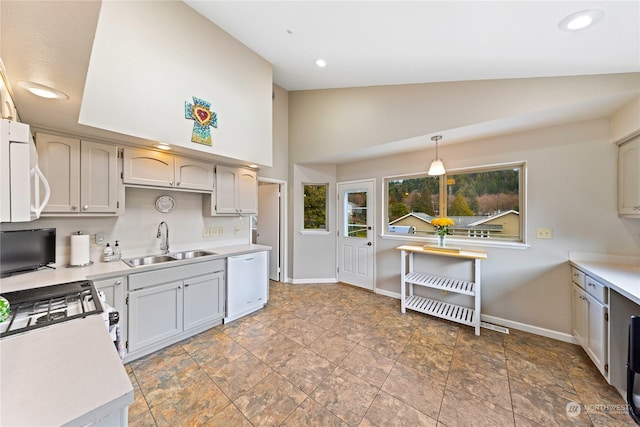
202,116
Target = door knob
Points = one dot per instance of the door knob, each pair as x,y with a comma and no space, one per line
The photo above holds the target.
369,244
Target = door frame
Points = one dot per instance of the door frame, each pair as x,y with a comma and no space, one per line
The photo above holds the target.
284,214
373,224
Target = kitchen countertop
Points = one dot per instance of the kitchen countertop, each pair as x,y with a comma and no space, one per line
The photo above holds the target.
622,274
98,270
67,373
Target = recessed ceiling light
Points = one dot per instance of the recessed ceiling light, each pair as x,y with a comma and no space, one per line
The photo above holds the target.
42,90
321,63
163,146
580,20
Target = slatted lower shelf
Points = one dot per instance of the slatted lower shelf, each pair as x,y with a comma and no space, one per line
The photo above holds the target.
441,309
443,283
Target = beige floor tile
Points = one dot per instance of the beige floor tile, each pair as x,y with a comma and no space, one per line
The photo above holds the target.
312,414
301,331
230,416
251,335
240,375
386,346
541,374
346,395
367,364
277,350
271,401
433,360
416,389
306,370
220,351
159,361
387,411
460,409
159,386
332,347
489,385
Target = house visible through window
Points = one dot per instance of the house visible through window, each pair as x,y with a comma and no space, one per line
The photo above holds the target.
484,203
315,206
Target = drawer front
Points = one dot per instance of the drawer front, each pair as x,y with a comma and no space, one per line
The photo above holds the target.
596,290
578,277
170,274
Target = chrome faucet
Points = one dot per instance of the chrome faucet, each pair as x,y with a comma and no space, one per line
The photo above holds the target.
164,245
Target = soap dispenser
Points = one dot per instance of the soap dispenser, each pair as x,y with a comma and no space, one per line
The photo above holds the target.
107,254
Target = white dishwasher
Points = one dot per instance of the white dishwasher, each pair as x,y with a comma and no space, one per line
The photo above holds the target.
247,284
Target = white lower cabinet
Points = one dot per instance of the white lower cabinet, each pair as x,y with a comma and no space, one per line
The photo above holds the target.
171,304
590,319
155,314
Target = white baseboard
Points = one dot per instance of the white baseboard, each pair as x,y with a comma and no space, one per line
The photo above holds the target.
560,336
313,281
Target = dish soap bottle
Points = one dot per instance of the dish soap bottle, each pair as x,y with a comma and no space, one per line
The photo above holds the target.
117,253
107,254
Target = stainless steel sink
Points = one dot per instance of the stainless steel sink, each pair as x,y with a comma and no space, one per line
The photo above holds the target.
157,259
191,254
148,260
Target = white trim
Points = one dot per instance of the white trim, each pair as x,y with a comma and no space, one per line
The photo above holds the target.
314,281
458,242
536,330
315,232
284,226
560,336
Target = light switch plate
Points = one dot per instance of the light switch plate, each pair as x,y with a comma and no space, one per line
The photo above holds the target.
544,233
237,229
205,232
214,231
222,231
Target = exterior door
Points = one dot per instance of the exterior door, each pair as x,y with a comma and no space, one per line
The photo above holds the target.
356,208
268,225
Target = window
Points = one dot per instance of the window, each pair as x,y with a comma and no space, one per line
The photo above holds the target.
485,203
315,206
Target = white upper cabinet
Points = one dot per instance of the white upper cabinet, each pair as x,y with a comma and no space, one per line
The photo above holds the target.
235,192
158,169
83,175
629,178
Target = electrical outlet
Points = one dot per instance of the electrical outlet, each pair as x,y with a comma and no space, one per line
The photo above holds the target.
237,229
205,232
98,238
214,231
221,231
544,233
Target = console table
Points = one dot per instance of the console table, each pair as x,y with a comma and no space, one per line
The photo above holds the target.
455,313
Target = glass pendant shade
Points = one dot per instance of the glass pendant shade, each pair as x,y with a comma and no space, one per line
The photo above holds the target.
437,168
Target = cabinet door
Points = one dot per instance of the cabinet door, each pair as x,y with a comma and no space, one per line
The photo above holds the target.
194,175
597,333
113,289
247,191
629,178
147,167
226,190
59,160
99,177
155,314
203,300
579,315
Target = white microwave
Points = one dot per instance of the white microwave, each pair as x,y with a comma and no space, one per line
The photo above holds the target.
20,176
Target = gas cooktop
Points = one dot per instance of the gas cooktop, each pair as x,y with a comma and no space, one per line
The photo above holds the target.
38,307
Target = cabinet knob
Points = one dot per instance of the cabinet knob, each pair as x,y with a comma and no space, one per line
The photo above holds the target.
118,282
179,286
186,285
178,184
85,207
73,208
171,183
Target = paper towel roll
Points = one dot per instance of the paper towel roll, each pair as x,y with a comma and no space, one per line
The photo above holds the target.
79,249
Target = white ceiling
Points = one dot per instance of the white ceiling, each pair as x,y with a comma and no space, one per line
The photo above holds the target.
369,43
364,43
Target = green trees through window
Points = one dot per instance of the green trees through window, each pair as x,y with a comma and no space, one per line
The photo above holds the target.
485,203
315,206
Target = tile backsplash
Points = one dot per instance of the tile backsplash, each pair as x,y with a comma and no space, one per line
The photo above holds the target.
136,230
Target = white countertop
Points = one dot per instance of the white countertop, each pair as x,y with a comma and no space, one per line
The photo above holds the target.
62,274
623,278
69,372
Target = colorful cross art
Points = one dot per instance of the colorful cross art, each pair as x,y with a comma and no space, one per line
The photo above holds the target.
202,116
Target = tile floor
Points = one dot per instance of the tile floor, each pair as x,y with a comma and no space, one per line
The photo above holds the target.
336,355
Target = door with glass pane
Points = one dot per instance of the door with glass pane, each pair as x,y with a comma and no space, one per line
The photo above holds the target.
356,235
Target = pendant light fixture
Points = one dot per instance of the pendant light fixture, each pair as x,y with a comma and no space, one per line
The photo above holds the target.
437,168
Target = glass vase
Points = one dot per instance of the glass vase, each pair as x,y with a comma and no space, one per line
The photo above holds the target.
442,240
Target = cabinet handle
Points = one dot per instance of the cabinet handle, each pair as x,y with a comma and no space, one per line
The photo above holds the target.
179,286
186,285
178,184
171,183
118,283
85,207
73,208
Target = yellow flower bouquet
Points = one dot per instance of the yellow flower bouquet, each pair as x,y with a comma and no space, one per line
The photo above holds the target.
442,225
